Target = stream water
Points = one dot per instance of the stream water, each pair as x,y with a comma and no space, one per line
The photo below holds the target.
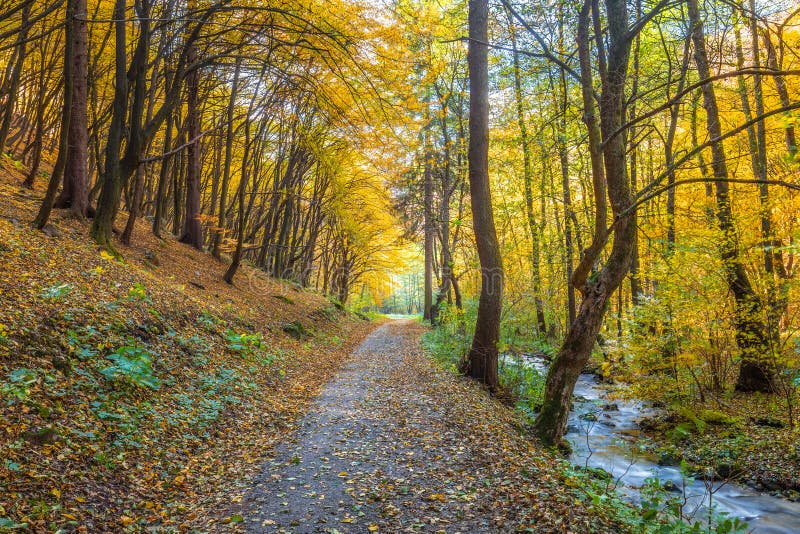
609,443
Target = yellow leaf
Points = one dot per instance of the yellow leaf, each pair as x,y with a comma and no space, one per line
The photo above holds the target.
125,520
347,520
343,474
373,528
56,493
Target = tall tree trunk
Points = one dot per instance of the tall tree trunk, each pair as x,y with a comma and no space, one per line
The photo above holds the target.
75,191
772,255
636,277
108,203
755,373
236,260
163,177
569,212
192,227
138,194
63,137
481,362
226,169
428,229
444,215
527,176
701,162
669,157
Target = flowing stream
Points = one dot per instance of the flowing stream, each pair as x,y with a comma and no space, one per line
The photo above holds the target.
606,439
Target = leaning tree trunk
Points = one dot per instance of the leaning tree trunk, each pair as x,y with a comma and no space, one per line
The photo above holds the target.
236,260
609,170
755,374
481,362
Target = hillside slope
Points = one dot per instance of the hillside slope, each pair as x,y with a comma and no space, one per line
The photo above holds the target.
137,394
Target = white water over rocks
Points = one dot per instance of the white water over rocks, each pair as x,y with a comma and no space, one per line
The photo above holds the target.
606,439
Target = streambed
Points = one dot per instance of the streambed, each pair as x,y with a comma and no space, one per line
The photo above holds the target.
607,440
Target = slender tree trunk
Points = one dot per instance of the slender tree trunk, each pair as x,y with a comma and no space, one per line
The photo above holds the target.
16,74
237,254
108,203
755,374
163,177
481,362
783,94
569,212
38,141
701,162
138,194
636,277
63,145
226,168
669,157
428,230
527,175
772,255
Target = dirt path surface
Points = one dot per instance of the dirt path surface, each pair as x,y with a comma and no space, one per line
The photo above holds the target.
395,444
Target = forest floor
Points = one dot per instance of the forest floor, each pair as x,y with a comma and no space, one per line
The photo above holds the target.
397,444
135,394
146,395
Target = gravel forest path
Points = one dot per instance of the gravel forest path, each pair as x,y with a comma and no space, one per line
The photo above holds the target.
396,444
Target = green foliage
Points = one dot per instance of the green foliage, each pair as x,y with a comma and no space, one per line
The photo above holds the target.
56,292
138,293
209,321
691,422
518,332
523,381
10,160
245,344
134,365
7,524
450,341
713,417
18,383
